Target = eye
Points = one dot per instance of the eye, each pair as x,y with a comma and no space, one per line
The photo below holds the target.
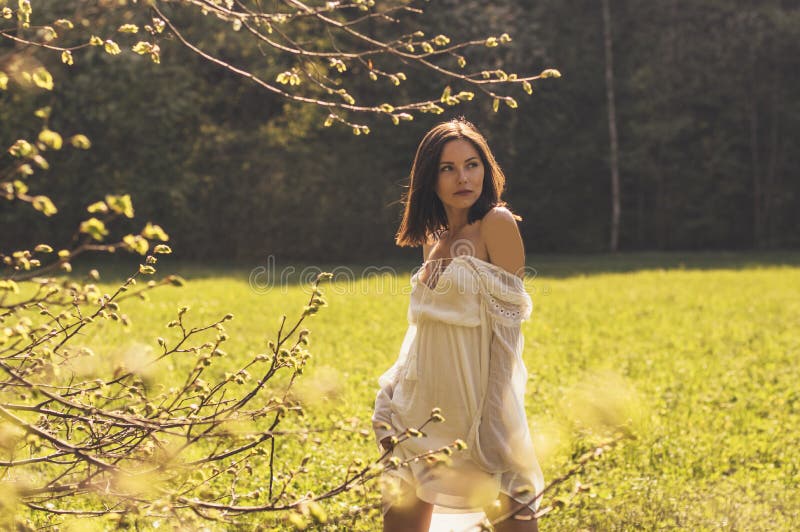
445,168
473,164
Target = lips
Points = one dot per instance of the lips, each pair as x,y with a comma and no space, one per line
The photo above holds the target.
463,192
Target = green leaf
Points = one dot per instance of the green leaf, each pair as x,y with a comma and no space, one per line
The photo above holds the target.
51,139
318,514
19,187
128,28
297,521
45,205
338,64
3,80
9,286
66,57
496,105
550,73
146,270
49,33
142,47
64,23
137,244
40,161
441,40
176,280
99,206
153,232
21,148
94,228
80,141
432,108
42,78
445,95
24,13
111,47
120,204
527,87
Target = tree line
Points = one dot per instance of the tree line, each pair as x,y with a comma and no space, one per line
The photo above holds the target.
707,135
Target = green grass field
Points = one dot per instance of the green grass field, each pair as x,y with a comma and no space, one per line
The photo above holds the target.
699,351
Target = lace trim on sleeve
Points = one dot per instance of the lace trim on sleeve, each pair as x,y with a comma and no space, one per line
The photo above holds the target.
507,300
508,313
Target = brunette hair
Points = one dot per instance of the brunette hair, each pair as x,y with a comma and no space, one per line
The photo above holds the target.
424,215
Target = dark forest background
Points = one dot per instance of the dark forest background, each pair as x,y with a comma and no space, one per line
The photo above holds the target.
707,111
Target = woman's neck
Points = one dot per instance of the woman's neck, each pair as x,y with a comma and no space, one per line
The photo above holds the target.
456,221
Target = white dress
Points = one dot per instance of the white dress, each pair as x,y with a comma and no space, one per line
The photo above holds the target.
462,353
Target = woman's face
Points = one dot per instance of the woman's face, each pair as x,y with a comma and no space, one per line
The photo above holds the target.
460,168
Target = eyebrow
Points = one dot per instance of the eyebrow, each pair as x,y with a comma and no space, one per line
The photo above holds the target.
448,162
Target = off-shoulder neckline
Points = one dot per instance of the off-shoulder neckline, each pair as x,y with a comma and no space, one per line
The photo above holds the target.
495,267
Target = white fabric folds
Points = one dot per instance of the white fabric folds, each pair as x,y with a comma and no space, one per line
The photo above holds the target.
462,352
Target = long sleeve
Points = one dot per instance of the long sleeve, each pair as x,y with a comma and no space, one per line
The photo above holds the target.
502,440
382,414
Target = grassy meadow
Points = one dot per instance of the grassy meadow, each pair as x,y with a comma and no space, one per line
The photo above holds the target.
699,352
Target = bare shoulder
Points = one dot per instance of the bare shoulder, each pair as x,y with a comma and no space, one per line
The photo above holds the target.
500,213
498,223
503,240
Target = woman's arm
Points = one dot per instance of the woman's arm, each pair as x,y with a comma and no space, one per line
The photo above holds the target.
505,440
382,416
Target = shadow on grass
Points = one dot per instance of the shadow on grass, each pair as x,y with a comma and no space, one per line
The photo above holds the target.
554,266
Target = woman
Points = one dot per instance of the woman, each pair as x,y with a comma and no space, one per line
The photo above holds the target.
462,350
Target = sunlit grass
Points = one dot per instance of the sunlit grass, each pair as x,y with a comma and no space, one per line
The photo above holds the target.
702,357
